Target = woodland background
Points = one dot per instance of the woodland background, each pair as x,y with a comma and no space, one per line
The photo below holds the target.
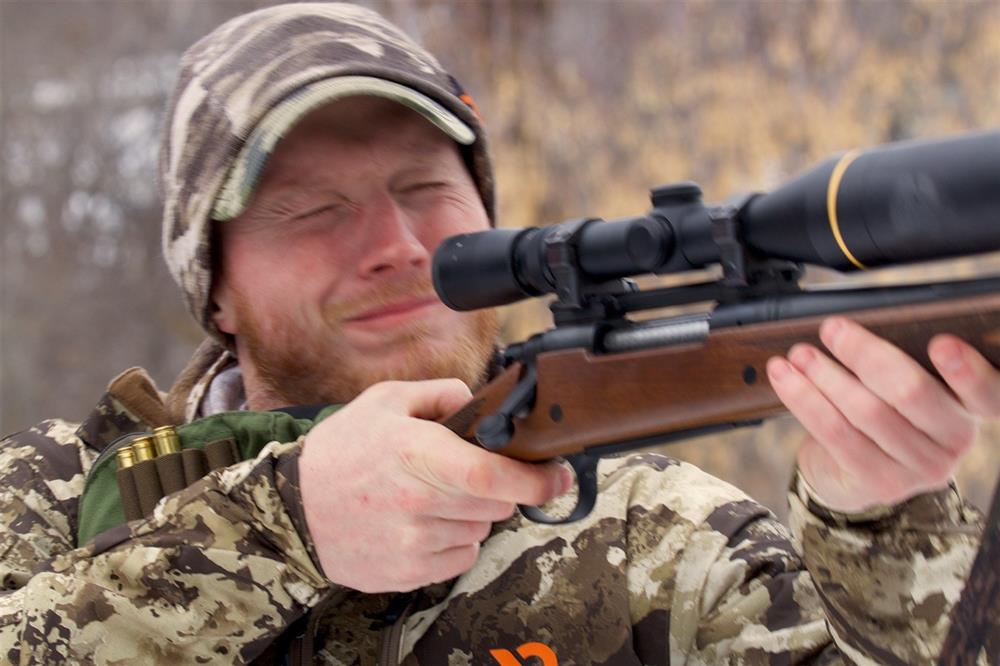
588,104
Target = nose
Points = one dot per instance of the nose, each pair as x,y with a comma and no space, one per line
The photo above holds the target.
392,240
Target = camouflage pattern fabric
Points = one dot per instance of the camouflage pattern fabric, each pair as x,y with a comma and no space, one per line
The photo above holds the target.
232,78
673,566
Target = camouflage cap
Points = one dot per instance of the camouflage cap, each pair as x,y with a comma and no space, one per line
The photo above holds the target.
244,85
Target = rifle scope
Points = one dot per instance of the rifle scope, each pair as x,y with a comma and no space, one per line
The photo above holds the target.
902,202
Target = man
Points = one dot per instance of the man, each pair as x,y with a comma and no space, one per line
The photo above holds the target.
313,158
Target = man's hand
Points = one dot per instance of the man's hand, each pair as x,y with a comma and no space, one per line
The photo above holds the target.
882,429
395,501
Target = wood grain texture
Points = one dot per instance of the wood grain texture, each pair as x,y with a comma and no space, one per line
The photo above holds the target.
602,399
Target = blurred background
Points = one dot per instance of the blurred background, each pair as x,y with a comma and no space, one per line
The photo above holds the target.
589,104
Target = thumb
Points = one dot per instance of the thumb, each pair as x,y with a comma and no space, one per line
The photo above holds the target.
431,399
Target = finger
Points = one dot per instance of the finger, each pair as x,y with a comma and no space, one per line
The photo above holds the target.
507,480
852,451
869,414
901,382
974,380
466,507
455,466
436,535
450,563
430,399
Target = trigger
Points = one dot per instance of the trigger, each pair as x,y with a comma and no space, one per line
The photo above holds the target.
585,466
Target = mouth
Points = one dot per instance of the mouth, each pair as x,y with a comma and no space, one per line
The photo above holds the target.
394,313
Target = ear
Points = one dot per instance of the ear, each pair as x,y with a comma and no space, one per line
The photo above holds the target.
220,292
223,310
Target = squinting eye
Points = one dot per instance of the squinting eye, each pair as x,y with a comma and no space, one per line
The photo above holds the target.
324,211
423,187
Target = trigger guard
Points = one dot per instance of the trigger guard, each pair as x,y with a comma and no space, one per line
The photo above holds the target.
585,466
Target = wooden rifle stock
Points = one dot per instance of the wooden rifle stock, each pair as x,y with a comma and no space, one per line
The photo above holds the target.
565,395
587,400
587,405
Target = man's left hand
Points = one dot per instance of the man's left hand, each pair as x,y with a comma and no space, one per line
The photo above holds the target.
881,429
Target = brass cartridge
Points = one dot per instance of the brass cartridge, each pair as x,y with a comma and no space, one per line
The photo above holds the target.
145,449
147,481
166,440
125,457
169,465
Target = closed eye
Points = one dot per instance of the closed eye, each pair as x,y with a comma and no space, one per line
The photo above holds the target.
330,209
424,186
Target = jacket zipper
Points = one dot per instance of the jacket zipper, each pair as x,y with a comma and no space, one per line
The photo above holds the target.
392,638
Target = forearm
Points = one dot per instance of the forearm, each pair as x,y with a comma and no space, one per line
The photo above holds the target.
717,572
888,584
217,573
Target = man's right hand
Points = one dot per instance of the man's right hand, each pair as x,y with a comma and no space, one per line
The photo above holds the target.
395,501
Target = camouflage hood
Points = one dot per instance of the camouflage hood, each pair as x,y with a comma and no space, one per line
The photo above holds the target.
283,61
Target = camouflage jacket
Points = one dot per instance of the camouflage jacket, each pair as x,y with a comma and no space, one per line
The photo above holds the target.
672,567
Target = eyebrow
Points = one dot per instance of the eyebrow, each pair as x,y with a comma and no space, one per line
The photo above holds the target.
299,197
293,193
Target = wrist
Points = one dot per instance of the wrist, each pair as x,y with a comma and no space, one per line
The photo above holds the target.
290,490
821,508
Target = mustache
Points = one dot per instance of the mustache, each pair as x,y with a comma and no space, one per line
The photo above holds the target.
379,296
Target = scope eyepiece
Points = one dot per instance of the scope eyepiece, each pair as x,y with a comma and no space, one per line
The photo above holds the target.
500,266
477,270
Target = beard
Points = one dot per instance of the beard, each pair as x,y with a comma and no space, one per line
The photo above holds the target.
295,367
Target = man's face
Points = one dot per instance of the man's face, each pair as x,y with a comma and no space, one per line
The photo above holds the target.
324,280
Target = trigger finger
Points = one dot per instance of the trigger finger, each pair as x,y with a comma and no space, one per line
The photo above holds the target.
466,507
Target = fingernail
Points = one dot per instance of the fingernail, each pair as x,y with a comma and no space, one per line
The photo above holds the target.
777,369
947,356
830,330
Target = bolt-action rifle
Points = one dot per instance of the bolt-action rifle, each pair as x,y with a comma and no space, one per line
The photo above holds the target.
600,383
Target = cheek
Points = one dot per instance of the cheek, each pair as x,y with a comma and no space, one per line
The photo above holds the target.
285,262
453,219
267,284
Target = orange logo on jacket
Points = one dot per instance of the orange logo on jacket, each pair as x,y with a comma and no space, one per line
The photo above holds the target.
528,650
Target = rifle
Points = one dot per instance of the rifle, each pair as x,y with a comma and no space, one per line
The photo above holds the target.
690,375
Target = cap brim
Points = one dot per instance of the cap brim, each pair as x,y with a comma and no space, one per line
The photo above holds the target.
246,170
